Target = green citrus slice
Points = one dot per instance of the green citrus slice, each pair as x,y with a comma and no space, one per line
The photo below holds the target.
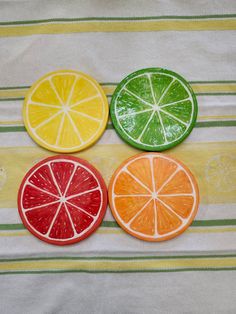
153,109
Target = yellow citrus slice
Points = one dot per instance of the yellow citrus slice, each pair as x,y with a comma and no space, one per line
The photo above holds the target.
65,111
153,197
221,172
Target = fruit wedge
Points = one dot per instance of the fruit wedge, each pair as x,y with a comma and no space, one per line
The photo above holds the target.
62,200
65,111
153,197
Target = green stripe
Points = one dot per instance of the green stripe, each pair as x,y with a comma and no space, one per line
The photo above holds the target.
11,99
208,124
108,84
214,222
116,258
128,18
196,223
115,271
14,87
6,129
213,82
109,224
201,124
110,126
12,226
113,224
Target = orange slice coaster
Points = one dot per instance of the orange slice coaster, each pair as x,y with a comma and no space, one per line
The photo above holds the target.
62,200
153,197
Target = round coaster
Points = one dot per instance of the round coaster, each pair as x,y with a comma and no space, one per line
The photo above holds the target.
153,109
65,111
62,200
153,197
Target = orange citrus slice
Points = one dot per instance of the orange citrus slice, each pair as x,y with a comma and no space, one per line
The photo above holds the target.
65,111
153,197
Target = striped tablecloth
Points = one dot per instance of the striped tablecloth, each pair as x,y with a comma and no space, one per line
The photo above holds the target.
111,272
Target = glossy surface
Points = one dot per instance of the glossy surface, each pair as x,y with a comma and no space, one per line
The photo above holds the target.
65,111
153,197
153,109
62,200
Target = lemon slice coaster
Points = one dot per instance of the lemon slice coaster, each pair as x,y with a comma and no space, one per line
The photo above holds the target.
65,111
153,109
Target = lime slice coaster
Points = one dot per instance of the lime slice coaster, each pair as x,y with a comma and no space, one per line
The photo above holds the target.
65,111
62,200
153,109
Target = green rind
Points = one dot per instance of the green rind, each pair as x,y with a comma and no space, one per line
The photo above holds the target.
133,143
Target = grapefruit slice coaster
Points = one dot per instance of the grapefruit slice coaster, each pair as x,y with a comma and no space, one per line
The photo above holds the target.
62,200
153,197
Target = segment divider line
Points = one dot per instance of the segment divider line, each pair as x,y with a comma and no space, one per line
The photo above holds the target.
55,91
41,190
173,212
137,180
82,193
70,218
81,209
54,219
136,96
139,212
40,206
54,179
168,179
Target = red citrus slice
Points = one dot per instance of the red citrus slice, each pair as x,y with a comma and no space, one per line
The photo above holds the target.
62,200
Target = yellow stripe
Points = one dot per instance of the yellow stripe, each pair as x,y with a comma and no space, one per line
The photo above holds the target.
214,88
22,233
119,26
114,265
11,122
197,88
114,231
199,157
109,89
220,117
110,231
211,230
13,93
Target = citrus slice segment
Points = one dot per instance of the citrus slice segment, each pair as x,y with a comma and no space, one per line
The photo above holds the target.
160,201
153,109
65,111
62,200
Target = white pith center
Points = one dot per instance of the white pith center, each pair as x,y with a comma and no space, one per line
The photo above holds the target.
65,108
154,195
63,199
155,107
